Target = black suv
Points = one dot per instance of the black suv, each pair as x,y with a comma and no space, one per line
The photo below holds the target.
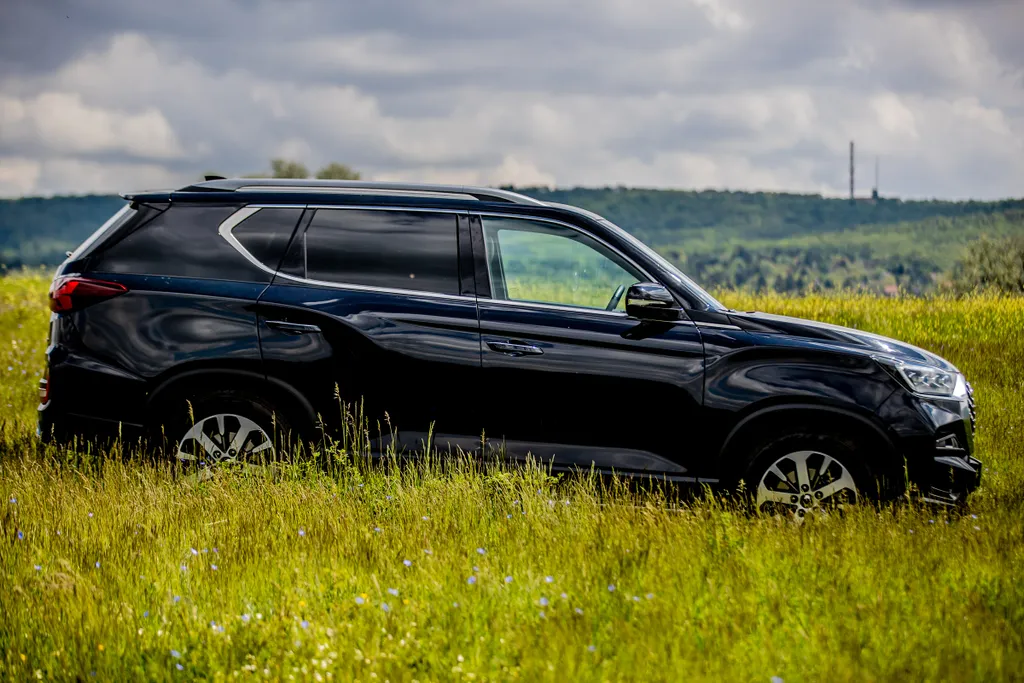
223,314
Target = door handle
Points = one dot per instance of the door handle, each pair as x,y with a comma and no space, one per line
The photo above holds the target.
513,348
292,328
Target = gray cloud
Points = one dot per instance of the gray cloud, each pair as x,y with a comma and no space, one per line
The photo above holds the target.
99,95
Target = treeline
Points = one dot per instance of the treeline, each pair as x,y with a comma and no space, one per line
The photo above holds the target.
750,240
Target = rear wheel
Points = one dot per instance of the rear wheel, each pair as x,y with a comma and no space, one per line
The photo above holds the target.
228,427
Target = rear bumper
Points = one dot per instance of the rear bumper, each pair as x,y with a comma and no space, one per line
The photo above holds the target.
64,428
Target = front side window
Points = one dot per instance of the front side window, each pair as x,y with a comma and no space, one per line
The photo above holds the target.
390,249
540,262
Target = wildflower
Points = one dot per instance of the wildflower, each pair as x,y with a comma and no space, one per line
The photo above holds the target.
213,624
508,579
205,550
20,535
481,551
542,615
387,497
304,624
565,596
455,604
649,596
179,667
977,528
543,602
175,654
184,568
213,567
911,531
515,502
193,551
931,521
579,610
591,648
974,516
215,550
428,551
476,569
245,618
407,563
636,598
302,532
97,564
549,579
393,591
777,679
377,529
471,580
611,587
508,516
360,600
385,606
425,518
37,567
145,614
13,500
90,514
177,599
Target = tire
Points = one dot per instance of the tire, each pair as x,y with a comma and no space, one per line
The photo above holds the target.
227,426
801,473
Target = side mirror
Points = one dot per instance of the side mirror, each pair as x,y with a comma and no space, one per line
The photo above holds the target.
651,301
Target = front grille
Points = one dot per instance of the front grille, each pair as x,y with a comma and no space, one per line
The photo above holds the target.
970,406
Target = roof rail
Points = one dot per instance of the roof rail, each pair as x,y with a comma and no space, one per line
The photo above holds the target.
487,194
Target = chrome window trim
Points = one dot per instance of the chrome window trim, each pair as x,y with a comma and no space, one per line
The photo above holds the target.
621,315
238,217
719,326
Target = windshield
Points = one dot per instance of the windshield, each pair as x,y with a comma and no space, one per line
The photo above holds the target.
692,287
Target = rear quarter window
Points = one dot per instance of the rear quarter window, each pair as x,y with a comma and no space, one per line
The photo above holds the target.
181,242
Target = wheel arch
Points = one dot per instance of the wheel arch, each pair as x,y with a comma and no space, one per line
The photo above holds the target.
780,419
278,393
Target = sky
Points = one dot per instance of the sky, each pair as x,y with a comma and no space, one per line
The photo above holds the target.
122,95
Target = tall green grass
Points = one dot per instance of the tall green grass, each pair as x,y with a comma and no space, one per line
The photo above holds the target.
123,568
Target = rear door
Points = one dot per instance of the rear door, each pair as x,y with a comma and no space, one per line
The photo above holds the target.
568,376
369,316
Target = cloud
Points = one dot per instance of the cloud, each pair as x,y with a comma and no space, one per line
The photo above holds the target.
736,94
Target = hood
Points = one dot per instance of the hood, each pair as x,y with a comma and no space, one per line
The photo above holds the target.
855,340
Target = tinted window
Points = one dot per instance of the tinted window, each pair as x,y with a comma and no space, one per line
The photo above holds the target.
548,263
181,242
266,234
397,249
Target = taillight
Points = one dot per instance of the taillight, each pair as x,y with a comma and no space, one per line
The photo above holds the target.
70,292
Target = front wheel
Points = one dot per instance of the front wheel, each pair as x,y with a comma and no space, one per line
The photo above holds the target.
803,474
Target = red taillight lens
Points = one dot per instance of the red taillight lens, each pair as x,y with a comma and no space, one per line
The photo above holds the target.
70,292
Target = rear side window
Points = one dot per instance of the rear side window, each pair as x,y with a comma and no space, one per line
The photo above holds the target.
266,234
181,242
394,249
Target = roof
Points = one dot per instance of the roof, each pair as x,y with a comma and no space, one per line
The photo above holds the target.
355,187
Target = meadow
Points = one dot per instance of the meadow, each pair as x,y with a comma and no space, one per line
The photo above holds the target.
120,567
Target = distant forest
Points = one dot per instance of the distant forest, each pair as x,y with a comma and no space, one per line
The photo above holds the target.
750,240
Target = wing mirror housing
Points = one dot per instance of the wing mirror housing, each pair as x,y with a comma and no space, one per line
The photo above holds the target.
651,301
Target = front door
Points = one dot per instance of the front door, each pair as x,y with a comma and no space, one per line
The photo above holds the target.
568,376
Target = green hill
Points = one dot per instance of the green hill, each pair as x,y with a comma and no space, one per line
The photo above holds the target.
757,240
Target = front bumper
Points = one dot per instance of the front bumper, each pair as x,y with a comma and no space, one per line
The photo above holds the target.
936,436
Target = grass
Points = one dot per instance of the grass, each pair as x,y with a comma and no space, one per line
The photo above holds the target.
127,569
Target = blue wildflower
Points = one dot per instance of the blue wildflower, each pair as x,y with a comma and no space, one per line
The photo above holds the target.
471,580
508,516
425,518
393,591
377,529
179,667
611,587
565,596
591,648
193,551
650,596
549,579
90,514
213,567
177,599
304,624
37,567
20,535
145,614
579,610
245,618
508,579
175,654
13,500
543,602
360,600
428,551
184,568
542,615
407,563
385,606
476,569
302,532
97,564
481,551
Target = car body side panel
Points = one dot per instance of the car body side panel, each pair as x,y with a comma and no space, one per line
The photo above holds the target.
411,359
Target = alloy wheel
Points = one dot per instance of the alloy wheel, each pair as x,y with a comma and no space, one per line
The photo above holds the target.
224,438
803,482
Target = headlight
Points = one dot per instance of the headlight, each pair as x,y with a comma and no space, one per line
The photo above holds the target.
927,380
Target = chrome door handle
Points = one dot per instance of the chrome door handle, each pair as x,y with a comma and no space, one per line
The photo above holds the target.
292,328
515,348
